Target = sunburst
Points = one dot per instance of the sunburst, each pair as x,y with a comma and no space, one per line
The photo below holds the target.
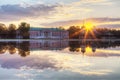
89,27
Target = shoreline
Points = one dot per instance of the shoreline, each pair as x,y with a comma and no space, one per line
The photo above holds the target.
3,40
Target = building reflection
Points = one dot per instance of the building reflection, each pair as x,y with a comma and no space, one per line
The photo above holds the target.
48,45
24,48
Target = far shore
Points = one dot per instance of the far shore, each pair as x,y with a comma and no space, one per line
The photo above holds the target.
3,40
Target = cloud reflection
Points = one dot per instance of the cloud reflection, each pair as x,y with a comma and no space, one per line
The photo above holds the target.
42,60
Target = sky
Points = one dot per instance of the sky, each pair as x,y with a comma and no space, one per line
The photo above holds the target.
55,13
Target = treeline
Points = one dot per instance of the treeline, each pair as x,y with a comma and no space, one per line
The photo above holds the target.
77,32
12,31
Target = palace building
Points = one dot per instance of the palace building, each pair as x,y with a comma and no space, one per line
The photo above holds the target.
48,33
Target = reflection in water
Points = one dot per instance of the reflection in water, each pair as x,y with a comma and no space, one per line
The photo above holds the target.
48,45
21,48
88,46
24,48
49,60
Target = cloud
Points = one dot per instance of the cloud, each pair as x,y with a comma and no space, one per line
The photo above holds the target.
18,12
38,14
105,53
94,72
104,19
101,22
94,1
97,2
36,63
62,23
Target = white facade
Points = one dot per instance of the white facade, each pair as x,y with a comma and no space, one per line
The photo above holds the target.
49,33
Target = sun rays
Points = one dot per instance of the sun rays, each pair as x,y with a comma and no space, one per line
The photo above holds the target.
89,31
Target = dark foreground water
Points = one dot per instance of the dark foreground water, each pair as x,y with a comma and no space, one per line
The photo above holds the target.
60,60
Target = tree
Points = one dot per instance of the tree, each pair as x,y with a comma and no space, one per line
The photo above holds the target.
61,28
24,30
74,32
3,30
12,31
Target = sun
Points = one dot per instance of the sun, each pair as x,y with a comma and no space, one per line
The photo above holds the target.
89,25
89,30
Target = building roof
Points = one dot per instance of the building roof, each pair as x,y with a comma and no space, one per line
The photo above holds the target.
51,29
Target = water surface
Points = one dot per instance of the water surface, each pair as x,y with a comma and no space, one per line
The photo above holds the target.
60,60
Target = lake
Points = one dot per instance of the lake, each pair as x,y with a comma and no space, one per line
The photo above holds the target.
59,60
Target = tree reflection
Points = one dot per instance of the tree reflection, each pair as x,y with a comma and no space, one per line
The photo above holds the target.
23,53
21,48
24,49
74,46
12,49
3,48
87,46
